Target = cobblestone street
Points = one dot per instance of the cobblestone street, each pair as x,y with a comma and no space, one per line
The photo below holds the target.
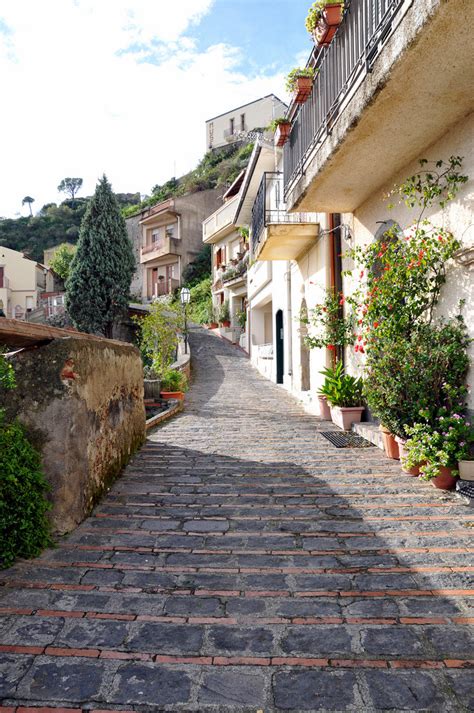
243,563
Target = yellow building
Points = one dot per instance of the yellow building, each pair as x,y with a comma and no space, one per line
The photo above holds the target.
21,283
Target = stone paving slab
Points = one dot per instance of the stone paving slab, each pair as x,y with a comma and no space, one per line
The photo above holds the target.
242,563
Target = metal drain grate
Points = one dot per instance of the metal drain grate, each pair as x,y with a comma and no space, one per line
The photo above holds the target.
346,439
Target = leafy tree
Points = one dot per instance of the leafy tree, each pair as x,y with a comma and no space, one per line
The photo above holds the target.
159,336
70,186
62,259
199,268
99,284
29,200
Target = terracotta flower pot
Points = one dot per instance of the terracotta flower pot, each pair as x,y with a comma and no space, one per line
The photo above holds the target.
302,89
403,453
389,443
333,14
445,480
324,410
179,395
282,134
212,325
225,323
345,416
466,469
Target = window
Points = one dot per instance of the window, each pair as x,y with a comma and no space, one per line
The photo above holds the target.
242,122
170,231
2,275
232,126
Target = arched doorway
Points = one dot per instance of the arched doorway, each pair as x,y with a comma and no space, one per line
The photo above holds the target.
279,339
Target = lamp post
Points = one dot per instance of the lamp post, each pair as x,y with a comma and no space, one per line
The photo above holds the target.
185,297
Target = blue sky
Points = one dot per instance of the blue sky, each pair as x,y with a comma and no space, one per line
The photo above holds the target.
270,32
125,86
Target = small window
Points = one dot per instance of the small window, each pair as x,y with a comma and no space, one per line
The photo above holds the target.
242,122
232,126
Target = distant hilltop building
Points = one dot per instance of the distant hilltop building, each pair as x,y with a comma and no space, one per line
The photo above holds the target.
234,125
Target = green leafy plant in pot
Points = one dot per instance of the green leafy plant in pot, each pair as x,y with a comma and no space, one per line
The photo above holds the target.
174,384
344,395
439,446
299,82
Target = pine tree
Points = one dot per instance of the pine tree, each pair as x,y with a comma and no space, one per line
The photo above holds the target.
99,284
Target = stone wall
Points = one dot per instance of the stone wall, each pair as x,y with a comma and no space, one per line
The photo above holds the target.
82,402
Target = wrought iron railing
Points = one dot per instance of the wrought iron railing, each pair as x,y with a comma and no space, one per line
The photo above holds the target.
270,208
366,27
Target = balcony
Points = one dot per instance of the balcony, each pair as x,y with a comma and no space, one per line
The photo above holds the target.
160,248
165,287
394,79
277,234
235,134
220,223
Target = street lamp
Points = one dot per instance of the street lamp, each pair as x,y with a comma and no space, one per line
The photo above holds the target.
185,297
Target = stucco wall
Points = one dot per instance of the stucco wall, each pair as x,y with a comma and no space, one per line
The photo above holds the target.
457,217
258,115
134,230
193,210
22,275
82,402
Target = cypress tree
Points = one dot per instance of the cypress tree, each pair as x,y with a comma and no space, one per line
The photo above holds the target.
99,284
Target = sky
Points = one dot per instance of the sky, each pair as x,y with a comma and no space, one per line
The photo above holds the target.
124,86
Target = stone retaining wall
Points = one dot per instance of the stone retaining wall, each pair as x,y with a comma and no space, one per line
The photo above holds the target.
82,402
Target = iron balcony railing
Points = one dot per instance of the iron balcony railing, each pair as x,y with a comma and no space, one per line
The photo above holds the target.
269,208
366,26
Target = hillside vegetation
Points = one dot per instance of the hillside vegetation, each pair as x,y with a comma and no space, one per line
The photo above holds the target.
216,168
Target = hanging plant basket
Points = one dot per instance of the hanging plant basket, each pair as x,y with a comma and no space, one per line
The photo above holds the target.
333,14
327,26
303,89
282,133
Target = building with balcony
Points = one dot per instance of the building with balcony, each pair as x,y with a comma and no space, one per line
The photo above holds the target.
229,245
166,238
287,268
394,86
22,282
235,125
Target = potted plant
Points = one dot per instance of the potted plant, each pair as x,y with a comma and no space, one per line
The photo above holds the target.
174,384
466,452
299,82
323,19
344,395
438,448
324,408
224,314
241,317
282,128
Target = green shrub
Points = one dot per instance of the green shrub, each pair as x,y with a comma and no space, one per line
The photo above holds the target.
174,380
24,527
424,371
159,336
341,389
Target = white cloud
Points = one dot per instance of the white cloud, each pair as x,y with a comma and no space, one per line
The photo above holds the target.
81,96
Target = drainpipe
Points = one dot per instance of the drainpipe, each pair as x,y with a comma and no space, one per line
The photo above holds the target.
181,243
335,269
290,319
